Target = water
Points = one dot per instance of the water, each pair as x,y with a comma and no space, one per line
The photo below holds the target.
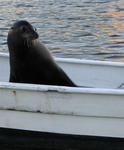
90,29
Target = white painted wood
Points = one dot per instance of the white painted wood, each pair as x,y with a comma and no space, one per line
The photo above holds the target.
62,100
78,125
4,67
99,74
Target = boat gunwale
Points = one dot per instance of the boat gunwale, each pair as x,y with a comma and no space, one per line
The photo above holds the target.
60,89
80,61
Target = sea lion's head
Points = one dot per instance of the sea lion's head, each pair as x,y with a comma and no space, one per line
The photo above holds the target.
21,33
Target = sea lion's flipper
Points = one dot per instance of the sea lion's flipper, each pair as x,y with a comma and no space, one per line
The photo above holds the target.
63,78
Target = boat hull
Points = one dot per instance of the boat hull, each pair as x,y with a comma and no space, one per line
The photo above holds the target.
13,139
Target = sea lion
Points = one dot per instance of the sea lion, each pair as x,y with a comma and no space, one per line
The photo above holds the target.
30,60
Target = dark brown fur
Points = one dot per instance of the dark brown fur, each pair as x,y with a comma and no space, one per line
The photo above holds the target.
30,60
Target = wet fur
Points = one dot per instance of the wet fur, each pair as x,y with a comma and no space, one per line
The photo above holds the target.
31,61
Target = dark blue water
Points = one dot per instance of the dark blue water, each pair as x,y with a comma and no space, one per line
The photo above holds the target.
90,29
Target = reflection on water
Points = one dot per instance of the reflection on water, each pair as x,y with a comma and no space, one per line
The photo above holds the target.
71,28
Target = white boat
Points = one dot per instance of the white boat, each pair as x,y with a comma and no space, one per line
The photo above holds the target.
68,117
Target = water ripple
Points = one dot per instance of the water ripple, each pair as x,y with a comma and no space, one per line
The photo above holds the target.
71,28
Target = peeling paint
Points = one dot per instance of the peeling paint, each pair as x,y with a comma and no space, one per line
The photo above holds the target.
14,92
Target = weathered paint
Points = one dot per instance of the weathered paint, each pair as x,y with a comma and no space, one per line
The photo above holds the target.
59,109
62,100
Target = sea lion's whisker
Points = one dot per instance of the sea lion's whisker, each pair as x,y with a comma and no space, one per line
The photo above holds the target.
28,43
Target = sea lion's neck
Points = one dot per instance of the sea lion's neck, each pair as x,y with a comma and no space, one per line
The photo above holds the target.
19,48
42,50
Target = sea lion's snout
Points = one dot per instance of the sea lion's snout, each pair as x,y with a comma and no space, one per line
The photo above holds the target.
29,32
35,35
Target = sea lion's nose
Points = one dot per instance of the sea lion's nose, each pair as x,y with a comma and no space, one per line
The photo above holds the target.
35,35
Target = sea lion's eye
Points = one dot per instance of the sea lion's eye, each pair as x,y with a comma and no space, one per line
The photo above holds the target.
23,29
